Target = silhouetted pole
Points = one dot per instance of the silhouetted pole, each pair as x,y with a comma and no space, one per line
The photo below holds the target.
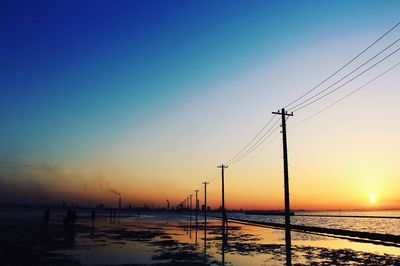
190,208
168,205
197,204
205,204
224,217
283,114
187,207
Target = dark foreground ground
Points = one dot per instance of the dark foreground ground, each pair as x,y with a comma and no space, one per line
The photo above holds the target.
138,242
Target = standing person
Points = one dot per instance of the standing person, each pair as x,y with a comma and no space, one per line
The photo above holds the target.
225,219
93,218
73,217
67,218
46,218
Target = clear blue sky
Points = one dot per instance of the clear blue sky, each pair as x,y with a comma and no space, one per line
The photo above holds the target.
77,75
74,71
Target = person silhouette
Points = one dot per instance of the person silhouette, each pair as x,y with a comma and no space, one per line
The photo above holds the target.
225,220
67,218
73,217
93,217
46,218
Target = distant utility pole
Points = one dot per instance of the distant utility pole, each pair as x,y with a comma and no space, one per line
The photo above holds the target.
205,204
288,241
190,208
187,205
197,204
224,216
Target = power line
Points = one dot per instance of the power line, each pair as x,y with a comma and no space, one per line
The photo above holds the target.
363,64
346,96
329,92
251,141
213,176
345,65
258,143
243,153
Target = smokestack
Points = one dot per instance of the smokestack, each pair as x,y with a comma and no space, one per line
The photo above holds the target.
119,203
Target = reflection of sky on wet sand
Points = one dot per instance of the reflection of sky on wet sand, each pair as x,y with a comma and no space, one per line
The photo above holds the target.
274,236
247,245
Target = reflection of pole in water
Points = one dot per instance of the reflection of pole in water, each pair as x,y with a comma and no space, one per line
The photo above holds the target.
283,113
288,240
197,204
190,230
223,255
205,239
195,241
224,245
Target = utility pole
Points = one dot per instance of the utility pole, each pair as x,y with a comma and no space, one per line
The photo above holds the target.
197,204
187,207
288,241
224,216
205,204
190,208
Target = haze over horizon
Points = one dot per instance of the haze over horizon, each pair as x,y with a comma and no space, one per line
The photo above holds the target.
146,98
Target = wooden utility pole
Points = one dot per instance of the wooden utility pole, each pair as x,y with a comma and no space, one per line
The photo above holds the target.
224,216
190,206
205,204
187,207
288,241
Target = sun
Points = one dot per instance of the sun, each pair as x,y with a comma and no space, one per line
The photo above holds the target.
372,198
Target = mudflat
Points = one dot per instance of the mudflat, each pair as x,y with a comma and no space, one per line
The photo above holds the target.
153,240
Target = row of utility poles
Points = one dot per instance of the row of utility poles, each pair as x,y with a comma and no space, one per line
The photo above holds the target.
187,203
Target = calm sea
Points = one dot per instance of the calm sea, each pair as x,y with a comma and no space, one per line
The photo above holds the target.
373,225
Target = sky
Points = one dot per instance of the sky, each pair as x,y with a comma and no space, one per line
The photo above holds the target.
146,98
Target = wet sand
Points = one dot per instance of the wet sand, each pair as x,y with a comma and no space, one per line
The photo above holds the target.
150,240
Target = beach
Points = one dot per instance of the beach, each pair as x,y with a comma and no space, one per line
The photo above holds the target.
167,238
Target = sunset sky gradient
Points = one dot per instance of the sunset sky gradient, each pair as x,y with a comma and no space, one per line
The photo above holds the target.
148,97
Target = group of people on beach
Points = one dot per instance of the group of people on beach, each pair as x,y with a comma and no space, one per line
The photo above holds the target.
113,215
70,218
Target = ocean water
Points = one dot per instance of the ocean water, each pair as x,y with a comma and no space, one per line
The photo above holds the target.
372,225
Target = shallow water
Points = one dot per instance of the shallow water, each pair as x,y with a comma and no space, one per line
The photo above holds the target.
246,245
372,225
160,237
